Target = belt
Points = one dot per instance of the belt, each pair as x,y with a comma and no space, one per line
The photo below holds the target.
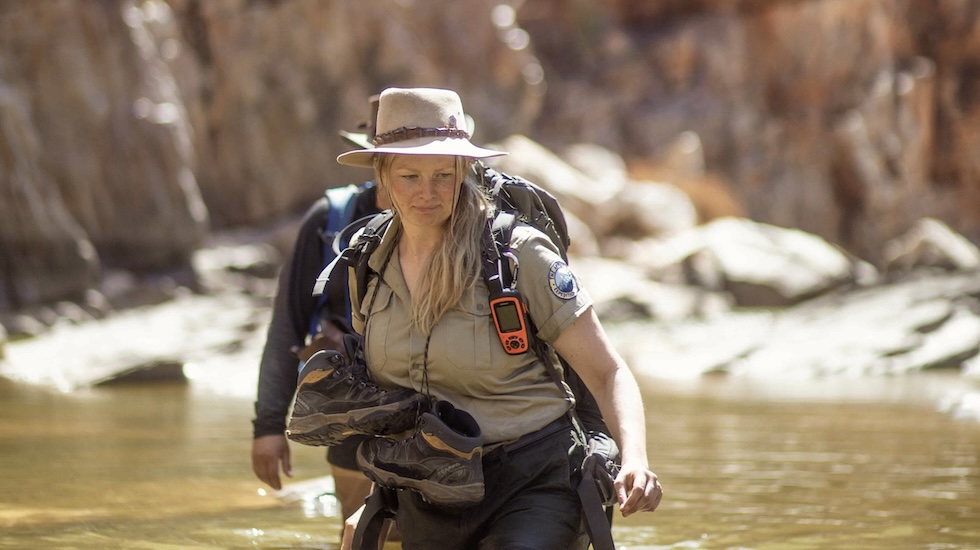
559,424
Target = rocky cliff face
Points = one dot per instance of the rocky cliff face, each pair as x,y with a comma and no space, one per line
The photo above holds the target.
130,128
847,119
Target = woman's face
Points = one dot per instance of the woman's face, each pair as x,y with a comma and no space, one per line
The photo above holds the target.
423,188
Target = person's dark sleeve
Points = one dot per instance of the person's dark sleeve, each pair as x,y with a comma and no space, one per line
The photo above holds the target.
291,312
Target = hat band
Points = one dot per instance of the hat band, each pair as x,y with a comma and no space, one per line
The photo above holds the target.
413,132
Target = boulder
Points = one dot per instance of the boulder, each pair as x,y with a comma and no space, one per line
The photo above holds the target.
578,193
644,209
921,321
759,264
45,255
930,243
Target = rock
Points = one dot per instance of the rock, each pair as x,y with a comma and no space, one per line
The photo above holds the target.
267,104
931,243
582,241
925,321
602,196
606,169
679,350
145,123
622,292
46,255
21,325
759,264
146,342
643,209
876,129
577,192
962,407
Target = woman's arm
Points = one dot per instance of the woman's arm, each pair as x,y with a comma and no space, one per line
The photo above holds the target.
585,346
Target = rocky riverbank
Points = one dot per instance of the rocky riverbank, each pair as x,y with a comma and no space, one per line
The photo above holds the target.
927,319
731,296
132,129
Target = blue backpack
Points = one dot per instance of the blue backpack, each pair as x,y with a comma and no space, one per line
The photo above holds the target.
342,203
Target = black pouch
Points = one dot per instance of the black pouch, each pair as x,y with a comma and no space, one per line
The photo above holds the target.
601,464
596,488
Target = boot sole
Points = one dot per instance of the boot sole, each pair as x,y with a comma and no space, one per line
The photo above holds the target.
329,429
435,493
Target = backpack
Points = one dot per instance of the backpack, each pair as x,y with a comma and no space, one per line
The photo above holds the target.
342,204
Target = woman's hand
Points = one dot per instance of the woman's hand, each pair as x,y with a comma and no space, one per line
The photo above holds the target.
350,525
587,349
638,490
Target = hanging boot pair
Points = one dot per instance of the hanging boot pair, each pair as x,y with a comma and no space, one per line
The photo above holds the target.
335,399
443,460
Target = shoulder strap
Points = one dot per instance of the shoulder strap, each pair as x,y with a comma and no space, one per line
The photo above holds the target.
333,283
341,210
367,242
341,203
494,245
501,229
496,242
598,518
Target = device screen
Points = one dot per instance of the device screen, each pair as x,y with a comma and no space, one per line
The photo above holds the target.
507,316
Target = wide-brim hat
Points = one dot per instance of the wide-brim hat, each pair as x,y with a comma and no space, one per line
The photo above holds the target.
363,137
419,121
357,139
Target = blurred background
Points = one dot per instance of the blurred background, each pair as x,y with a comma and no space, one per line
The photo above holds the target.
786,192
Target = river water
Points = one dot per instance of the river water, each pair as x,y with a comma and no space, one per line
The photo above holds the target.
747,464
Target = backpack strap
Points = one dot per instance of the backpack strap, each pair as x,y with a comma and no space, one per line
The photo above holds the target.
501,230
366,233
379,506
598,517
341,203
495,239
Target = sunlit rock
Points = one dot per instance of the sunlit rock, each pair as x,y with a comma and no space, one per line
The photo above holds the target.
759,264
931,243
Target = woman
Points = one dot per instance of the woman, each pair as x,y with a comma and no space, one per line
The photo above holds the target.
426,326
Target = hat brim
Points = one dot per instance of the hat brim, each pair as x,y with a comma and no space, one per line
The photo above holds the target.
357,139
452,147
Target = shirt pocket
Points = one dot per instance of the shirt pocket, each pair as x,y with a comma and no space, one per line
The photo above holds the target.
379,321
468,335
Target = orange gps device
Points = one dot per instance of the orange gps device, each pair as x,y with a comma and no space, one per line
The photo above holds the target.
508,317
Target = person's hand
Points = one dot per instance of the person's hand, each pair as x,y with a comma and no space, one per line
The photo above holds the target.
267,453
350,525
638,490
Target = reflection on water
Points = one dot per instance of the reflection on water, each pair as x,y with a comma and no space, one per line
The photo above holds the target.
748,470
866,463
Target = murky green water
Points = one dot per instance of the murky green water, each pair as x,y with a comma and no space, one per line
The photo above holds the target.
866,463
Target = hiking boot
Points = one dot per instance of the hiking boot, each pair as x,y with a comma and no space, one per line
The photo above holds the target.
333,402
443,460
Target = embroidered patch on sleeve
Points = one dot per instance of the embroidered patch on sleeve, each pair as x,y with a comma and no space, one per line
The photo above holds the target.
561,281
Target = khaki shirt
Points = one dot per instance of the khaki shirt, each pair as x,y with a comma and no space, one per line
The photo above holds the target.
508,395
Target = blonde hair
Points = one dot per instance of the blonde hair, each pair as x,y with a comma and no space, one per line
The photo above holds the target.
454,267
